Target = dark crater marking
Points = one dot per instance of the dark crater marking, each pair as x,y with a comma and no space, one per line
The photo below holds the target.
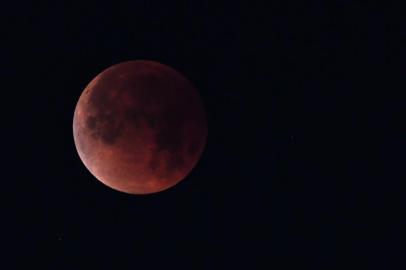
104,123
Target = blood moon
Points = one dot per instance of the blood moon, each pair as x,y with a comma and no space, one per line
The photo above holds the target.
140,127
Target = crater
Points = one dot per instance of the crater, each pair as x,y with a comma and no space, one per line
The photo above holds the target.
105,127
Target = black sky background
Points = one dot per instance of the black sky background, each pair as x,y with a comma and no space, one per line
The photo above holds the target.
304,164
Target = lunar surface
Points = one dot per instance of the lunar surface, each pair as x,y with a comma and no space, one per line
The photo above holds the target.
140,127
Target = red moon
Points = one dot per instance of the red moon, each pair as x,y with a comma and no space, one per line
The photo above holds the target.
140,127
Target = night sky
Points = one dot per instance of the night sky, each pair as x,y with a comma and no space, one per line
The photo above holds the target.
304,163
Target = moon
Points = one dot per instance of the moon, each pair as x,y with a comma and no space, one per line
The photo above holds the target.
140,127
